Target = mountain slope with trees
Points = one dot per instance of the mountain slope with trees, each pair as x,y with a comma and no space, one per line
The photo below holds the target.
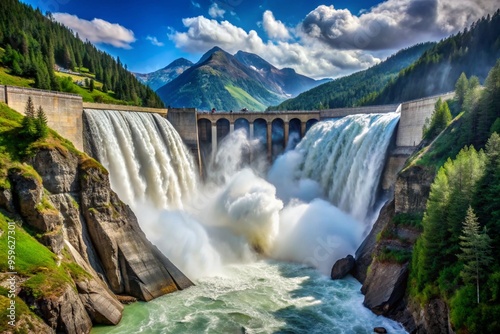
473,51
348,91
448,202
35,45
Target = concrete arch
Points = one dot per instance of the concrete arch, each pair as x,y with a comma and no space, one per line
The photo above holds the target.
294,132
223,128
205,130
278,140
310,123
260,129
242,123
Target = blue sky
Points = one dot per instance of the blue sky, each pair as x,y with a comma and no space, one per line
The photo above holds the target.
316,38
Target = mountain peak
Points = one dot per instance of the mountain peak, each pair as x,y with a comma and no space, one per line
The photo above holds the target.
209,53
180,62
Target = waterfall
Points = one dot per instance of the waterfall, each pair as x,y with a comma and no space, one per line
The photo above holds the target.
147,161
315,200
340,159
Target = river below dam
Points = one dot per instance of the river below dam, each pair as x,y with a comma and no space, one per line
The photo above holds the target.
260,297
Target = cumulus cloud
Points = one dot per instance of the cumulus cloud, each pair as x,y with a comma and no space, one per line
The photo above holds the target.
214,11
98,30
275,29
393,24
309,57
331,42
154,41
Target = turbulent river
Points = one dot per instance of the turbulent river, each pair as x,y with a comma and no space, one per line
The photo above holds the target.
258,241
260,297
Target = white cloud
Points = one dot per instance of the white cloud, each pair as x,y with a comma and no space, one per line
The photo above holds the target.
309,57
97,30
195,4
214,11
275,29
154,41
331,42
393,24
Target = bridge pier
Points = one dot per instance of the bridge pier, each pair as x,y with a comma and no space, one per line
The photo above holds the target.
214,140
302,129
231,127
287,130
269,127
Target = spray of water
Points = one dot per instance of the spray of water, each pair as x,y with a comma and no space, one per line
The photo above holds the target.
239,215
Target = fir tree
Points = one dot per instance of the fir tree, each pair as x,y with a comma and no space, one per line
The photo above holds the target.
28,123
461,88
41,123
476,251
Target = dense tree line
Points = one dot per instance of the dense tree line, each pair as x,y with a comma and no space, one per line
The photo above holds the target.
34,44
461,225
352,90
473,51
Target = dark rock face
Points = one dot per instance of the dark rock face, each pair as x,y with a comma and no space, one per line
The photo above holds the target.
6,200
59,170
100,304
74,208
367,248
385,286
412,189
28,193
343,267
64,313
130,263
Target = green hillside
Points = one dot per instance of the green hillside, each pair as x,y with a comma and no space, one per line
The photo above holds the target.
35,47
348,91
473,51
43,273
466,191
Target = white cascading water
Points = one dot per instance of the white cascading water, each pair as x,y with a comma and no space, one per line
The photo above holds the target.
145,156
312,209
340,159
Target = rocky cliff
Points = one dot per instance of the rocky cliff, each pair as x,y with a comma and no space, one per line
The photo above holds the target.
383,259
64,199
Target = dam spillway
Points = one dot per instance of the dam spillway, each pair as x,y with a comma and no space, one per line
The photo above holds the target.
222,229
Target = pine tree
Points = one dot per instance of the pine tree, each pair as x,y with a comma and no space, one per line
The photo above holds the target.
28,123
461,89
92,85
476,250
41,123
440,119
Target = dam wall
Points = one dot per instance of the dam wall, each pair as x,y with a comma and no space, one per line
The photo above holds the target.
413,116
63,110
185,122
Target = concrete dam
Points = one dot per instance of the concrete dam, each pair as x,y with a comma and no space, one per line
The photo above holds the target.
65,115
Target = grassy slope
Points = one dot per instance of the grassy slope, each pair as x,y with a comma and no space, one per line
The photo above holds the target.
244,98
46,275
8,79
